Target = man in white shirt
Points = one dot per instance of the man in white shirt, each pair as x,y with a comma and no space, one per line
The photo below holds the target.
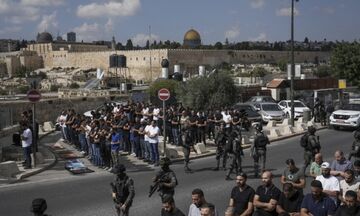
348,183
199,202
147,145
153,132
26,141
330,183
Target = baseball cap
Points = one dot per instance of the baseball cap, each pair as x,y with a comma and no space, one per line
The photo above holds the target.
325,165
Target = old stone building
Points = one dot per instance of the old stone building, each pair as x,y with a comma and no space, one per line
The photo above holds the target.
145,65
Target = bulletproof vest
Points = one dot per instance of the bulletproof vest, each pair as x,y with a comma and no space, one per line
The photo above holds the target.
313,142
261,140
122,190
166,178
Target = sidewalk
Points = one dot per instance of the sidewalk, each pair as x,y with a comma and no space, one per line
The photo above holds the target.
46,159
50,151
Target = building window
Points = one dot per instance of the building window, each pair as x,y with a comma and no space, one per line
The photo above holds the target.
144,58
137,59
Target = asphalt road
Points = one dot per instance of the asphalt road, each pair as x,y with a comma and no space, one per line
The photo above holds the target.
89,194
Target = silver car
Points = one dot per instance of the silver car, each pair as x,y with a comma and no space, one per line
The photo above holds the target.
270,112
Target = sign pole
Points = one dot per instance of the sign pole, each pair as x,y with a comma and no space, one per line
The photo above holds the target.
34,140
164,126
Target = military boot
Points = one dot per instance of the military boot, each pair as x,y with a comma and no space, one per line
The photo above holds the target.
217,165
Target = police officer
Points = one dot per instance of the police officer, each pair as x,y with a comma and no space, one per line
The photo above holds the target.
220,141
187,144
355,148
312,146
316,111
123,191
258,149
166,178
235,150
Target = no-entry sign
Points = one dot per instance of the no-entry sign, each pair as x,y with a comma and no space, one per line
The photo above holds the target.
164,94
33,95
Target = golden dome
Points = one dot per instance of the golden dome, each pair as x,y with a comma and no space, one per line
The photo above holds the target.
192,35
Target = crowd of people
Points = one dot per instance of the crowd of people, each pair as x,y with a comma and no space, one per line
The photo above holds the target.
134,128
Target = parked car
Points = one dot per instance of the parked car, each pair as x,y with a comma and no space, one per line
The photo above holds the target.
347,116
270,111
102,107
250,111
299,108
261,99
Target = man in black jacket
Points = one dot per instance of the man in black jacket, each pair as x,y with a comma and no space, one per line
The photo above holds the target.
169,208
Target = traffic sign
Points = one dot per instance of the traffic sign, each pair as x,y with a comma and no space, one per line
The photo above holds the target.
164,94
33,95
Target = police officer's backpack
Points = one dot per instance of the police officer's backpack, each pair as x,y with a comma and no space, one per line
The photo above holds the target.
261,140
304,140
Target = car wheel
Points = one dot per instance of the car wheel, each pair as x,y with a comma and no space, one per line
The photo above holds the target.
336,127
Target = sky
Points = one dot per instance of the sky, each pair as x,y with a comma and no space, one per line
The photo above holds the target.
215,20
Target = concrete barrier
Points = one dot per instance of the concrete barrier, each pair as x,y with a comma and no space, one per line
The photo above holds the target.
171,153
285,122
287,130
300,119
274,132
271,124
9,169
200,148
48,126
300,127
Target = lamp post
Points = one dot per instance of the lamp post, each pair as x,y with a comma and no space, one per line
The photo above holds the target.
292,64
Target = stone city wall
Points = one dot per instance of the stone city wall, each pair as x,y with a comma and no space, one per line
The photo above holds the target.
190,60
138,61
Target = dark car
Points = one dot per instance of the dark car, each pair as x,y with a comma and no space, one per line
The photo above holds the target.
250,111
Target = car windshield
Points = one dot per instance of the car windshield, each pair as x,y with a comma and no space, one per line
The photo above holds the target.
270,107
297,104
246,108
352,107
268,99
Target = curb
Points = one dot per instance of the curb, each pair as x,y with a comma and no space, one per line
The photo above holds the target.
48,166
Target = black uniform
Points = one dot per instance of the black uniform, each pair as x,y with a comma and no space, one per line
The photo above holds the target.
311,148
355,148
123,190
220,141
187,144
166,179
259,150
234,149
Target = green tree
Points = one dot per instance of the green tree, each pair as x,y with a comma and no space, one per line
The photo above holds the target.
259,72
74,85
218,45
345,62
129,45
201,93
323,71
22,71
282,64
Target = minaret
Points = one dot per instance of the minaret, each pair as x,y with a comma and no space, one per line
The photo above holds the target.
113,43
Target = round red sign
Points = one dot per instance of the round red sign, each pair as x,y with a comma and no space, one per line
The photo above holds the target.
164,94
33,95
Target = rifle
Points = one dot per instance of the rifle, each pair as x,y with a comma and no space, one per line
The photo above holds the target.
156,187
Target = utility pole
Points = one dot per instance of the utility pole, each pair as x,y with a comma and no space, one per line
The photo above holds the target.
292,64
150,53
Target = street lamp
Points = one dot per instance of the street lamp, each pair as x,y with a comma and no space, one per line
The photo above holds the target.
292,64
